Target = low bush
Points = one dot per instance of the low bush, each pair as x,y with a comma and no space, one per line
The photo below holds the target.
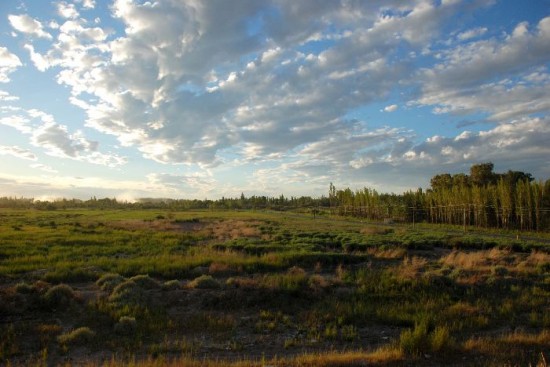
126,325
24,288
171,285
145,282
419,341
59,296
128,293
80,336
107,282
204,282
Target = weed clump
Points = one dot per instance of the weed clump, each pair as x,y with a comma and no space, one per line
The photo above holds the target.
80,336
127,293
59,296
171,285
420,341
126,325
145,282
205,282
107,282
24,288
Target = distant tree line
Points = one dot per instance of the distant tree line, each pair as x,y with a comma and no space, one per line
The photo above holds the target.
511,200
251,203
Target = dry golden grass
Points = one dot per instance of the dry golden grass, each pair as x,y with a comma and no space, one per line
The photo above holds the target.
394,253
376,230
232,229
382,356
478,260
509,344
535,259
412,267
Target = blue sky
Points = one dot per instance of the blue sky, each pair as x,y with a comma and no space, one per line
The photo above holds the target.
204,99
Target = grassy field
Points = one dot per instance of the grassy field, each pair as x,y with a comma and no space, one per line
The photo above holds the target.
227,288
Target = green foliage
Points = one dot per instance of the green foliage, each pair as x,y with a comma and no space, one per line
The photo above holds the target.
145,282
126,326
107,282
419,341
171,285
128,293
204,282
81,336
24,288
59,296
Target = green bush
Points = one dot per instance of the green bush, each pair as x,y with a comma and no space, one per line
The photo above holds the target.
59,296
204,282
107,282
145,282
414,341
171,285
128,293
80,336
419,341
440,339
24,288
126,325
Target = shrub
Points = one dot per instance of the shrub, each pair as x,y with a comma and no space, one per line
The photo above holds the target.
107,282
24,288
418,341
145,282
41,286
127,293
171,285
80,336
60,295
241,282
126,325
414,341
204,282
440,339
499,271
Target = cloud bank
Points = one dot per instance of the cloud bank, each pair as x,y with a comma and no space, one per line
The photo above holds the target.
269,85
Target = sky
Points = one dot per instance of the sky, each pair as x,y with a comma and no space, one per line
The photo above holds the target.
210,98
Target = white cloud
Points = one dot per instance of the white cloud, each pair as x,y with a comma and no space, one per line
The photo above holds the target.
471,33
38,60
26,24
18,122
57,140
8,64
210,84
6,97
66,10
88,4
476,77
391,108
17,152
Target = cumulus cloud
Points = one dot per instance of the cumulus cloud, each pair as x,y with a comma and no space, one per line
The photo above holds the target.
269,84
391,108
25,24
17,152
6,97
57,140
8,64
66,10
477,76
17,122
471,33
